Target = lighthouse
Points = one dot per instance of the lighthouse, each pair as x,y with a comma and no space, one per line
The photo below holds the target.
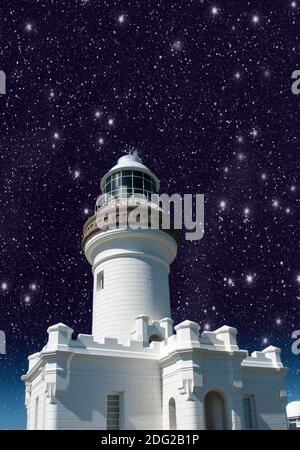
136,370
130,265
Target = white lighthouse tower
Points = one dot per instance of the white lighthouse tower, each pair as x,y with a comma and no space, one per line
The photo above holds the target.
130,266
134,371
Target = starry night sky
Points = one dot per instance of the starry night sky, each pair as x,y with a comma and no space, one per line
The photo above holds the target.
202,90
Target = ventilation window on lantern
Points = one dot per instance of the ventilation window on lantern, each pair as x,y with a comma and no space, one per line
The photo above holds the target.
100,281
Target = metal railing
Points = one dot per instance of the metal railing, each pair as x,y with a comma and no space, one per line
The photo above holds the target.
120,195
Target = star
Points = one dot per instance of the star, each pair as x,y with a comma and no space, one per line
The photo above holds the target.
33,286
214,10
255,19
237,75
265,340
4,286
222,204
249,278
27,299
101,141
275,203
278,321
298,278
86,210
263,176
229,281
177,46
28,27
76,173
294,4
56,135
98,114
246,211
111,121
121,18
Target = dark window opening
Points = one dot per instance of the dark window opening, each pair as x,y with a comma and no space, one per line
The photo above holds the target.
113,412
155,338
248,408
100,281
172,414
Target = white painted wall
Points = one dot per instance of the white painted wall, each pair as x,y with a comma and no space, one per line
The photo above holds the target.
270,399
36,417
74,377
82,405
135,267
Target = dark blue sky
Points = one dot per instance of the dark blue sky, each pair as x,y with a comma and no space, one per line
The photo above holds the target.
203,91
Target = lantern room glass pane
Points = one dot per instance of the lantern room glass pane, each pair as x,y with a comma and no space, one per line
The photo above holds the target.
107,187
130,182
127,181
148,186
139,191
137,183
137,174
116,183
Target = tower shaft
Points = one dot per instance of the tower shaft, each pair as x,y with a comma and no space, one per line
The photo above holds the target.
131,269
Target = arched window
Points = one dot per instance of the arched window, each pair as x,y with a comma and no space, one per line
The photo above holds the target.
215,415
155,338
172,414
